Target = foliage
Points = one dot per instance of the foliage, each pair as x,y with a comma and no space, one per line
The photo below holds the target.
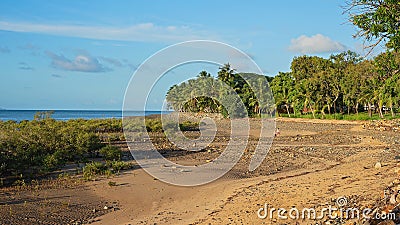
118,165
189,126
110,152
154,125
92,169
377,20
231,94
344,83
43,115
44,145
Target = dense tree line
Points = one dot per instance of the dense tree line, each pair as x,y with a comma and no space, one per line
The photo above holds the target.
342,83
231,94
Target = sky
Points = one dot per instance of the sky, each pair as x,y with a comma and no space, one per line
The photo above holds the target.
82,54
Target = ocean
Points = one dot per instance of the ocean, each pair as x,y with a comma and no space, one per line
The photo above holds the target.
19,115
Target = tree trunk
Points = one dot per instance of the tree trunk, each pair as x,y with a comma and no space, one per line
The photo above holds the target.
357,108
294,110
380,112
287,109
312,111
392,111
334,107
369,109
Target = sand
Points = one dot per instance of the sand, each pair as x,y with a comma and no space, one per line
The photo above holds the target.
322,178
311,164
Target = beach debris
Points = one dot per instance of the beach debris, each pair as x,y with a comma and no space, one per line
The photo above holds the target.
383,125
392,199
277,132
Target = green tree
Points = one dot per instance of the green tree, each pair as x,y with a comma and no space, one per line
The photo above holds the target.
377,20
282,86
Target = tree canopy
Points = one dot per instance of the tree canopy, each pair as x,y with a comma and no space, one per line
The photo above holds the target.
342,83
377,20
223,94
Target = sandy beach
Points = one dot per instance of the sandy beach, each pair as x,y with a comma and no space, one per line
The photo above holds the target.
311,164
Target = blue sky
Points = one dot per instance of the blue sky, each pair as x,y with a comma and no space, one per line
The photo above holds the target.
82,54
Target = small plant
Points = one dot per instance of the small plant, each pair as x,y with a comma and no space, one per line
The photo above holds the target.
92,169
108,173
112,183
117,166
20,183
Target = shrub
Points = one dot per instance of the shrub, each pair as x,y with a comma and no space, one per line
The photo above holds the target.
43,145
117,166
92,169
53,161
110,152
154,125
189,126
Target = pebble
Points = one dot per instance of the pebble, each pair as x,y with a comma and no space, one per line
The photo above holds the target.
393,199
378,165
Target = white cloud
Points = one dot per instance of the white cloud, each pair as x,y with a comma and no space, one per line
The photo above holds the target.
112,61
146,32
25,66
81,63
315,44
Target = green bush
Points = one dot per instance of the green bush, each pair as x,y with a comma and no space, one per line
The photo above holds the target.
154,125
110,152
29,147
92,169
53,161
117,166
189,126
